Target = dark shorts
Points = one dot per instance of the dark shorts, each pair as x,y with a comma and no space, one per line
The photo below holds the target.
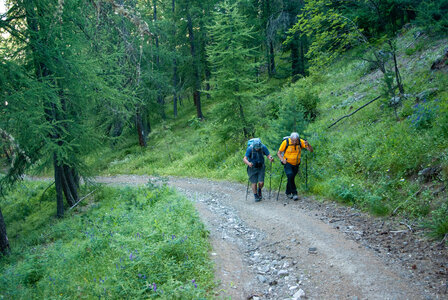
256,174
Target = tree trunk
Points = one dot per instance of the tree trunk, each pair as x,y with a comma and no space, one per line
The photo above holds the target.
160,99
75,177
146,126
141,133
58,185
271,58
397,74
66,189
175,75
4,243
295,63
41,72
71,182
175,83
196,79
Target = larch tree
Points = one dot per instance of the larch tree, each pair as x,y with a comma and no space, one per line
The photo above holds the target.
233,81
54,80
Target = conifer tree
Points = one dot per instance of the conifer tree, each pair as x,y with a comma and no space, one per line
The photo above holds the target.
53,83
233,78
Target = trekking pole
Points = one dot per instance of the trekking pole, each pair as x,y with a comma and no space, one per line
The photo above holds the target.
247,189
306,171
270,180
281,179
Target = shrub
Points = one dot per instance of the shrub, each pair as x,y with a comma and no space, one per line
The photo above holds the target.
423,114
438,225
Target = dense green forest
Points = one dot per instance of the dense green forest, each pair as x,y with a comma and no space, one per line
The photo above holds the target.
178,87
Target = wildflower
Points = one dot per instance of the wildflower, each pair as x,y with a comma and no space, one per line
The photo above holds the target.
173,237
131,257
154,287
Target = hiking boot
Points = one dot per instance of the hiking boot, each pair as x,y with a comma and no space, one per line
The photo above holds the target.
295,197
257,199
289,196
259,194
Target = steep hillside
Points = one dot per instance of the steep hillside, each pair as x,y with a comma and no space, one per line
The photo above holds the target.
386,159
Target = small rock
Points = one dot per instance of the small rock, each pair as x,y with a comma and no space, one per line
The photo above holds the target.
428,174
298,295
293,288
262,279
283,273
312,250
273,282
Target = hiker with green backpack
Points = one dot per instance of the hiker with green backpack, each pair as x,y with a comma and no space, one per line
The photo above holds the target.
289,154
254,159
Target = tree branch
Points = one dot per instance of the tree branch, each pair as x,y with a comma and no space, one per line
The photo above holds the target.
346,116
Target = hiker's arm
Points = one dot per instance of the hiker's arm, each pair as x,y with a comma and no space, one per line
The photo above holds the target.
281,152
280,156
247,162
308,146
268,155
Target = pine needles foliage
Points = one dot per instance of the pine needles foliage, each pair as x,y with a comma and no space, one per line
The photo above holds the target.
233,82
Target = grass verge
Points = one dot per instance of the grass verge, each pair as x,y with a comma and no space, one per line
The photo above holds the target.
125,243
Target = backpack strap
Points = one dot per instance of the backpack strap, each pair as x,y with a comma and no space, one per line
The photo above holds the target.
287,144
251,155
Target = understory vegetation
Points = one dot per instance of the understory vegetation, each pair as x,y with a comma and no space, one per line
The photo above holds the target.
118,243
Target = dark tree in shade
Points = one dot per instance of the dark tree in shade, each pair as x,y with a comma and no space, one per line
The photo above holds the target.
4,243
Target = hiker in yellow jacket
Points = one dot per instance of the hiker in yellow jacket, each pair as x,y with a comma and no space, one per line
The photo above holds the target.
289,154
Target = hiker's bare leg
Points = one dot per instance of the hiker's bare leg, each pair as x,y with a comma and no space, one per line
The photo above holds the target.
254,188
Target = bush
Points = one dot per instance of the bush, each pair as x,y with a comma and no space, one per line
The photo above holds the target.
438,225
423,114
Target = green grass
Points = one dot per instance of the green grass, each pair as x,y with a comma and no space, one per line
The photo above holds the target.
125,243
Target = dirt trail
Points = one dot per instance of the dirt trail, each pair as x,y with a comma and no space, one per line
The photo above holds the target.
286,250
